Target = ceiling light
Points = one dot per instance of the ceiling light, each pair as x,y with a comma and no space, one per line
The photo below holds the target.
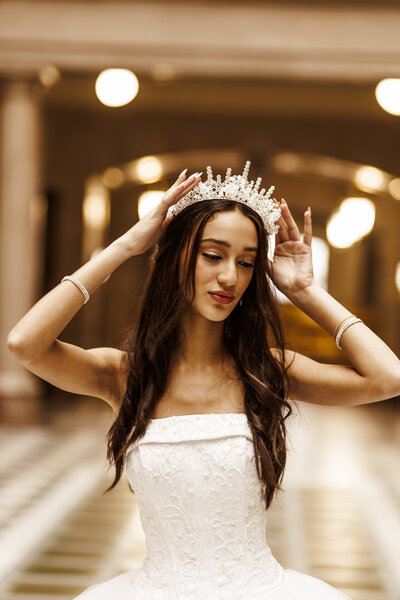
116,87
387,93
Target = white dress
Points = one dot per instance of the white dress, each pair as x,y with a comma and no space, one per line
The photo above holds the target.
204,518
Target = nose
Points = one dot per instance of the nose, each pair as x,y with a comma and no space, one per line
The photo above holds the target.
227,275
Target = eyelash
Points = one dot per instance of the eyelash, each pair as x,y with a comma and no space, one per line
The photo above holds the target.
214,257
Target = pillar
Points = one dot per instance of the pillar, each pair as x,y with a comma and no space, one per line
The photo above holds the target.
22,218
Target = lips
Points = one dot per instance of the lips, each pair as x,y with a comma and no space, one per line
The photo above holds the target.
221,298
224,294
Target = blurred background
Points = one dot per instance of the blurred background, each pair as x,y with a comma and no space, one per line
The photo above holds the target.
102,105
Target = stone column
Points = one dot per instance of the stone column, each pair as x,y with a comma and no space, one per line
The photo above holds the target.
22,218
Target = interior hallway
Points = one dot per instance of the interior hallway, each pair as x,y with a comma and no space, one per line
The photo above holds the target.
339,518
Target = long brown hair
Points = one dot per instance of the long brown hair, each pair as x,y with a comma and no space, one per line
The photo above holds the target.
249,332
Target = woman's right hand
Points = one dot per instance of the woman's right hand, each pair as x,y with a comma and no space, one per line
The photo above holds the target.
147,231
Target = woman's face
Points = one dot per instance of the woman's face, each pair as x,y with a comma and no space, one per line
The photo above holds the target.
225,264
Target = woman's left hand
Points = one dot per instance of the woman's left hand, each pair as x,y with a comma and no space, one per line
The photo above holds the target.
292,269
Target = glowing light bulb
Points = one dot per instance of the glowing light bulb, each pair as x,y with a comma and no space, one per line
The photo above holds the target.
387,93
116,87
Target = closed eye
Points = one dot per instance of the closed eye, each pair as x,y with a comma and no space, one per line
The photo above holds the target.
211,256
215,257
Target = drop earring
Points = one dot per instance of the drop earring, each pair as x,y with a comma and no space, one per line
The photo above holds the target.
241,301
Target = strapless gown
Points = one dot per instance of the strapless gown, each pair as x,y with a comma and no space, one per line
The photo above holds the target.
204,519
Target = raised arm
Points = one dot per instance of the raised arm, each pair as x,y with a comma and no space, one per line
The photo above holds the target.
98,371
374,373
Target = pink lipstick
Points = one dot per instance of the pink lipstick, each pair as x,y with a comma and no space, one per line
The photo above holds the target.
221,299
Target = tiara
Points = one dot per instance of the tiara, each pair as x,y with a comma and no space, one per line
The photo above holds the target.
239,189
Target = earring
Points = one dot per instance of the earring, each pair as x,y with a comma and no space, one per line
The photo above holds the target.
241,301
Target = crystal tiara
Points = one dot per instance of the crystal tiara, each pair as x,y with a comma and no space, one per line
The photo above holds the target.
239,189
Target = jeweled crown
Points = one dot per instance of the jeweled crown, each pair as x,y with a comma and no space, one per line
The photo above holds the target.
239,189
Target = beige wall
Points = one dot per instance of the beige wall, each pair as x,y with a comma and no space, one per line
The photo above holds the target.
78,143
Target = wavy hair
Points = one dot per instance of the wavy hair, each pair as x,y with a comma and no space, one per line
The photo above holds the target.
249,332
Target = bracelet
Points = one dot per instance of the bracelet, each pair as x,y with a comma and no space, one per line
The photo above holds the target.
343,328
78,284
341,323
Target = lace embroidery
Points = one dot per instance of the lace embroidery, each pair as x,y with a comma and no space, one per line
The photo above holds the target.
201,510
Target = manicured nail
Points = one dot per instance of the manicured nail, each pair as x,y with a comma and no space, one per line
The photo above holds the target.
183,173
198,174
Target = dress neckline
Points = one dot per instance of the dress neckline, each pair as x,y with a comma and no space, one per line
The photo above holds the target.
198,415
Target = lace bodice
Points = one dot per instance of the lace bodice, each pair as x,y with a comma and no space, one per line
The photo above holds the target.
202,510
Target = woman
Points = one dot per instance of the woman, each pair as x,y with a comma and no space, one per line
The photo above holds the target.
200,390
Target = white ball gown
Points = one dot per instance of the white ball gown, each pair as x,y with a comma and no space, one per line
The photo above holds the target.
204,518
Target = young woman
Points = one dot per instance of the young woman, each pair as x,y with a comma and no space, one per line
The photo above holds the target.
201,390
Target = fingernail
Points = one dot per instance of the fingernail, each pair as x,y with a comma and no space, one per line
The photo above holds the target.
198,174
183,172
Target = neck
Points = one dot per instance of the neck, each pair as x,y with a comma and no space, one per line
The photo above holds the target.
202,342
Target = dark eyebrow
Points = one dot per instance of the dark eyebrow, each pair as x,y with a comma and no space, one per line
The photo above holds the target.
222,243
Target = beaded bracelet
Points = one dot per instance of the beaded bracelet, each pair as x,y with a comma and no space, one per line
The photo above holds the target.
343,328
78,284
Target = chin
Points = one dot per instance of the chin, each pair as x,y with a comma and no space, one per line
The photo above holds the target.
215,313
219,318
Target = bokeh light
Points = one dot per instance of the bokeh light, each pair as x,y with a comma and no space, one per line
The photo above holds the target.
397,276
369,179
113,177
353,220
96,205
387,93
149,200
394,188
116,87
147,170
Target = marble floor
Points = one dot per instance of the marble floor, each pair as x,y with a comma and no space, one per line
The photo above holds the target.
337,519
